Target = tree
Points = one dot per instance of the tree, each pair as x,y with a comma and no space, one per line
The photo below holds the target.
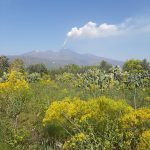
145,64
133,66
39,68
18,65
72,68
4,64
104,65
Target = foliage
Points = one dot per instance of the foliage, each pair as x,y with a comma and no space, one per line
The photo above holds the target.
17,65
38,68
33,77
144,143
105,66
83,105
13,96
74,118
133,66
99,123
145,64
4,64
135,124
15,82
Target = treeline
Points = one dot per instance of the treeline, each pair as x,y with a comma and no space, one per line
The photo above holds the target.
132,65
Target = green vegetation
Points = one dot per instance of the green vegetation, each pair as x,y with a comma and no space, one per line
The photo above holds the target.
4,64
74,108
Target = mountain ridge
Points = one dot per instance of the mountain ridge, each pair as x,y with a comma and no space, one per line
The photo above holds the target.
62,57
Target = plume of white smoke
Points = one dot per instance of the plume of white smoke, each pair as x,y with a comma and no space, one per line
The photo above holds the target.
65,43
92,30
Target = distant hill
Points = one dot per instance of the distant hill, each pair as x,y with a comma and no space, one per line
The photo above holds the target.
61,58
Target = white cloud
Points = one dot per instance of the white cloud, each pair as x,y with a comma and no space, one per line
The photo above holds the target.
127,39
92,30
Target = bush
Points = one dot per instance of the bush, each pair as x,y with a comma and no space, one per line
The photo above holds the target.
97,119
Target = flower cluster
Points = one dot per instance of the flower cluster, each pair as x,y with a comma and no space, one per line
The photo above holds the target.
136,118
14,82
74,141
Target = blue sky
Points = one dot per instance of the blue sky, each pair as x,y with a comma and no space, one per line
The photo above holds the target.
118,29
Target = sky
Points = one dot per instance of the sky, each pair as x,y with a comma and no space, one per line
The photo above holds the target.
117,29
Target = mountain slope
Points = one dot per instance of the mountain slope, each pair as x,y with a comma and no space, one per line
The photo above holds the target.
62,57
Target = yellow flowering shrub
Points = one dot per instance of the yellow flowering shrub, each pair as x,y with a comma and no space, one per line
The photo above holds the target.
15,82
46,80
74,142
59,110
106,107
14,92
134,125
101,120
144,143
94,116
136,118
82,110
